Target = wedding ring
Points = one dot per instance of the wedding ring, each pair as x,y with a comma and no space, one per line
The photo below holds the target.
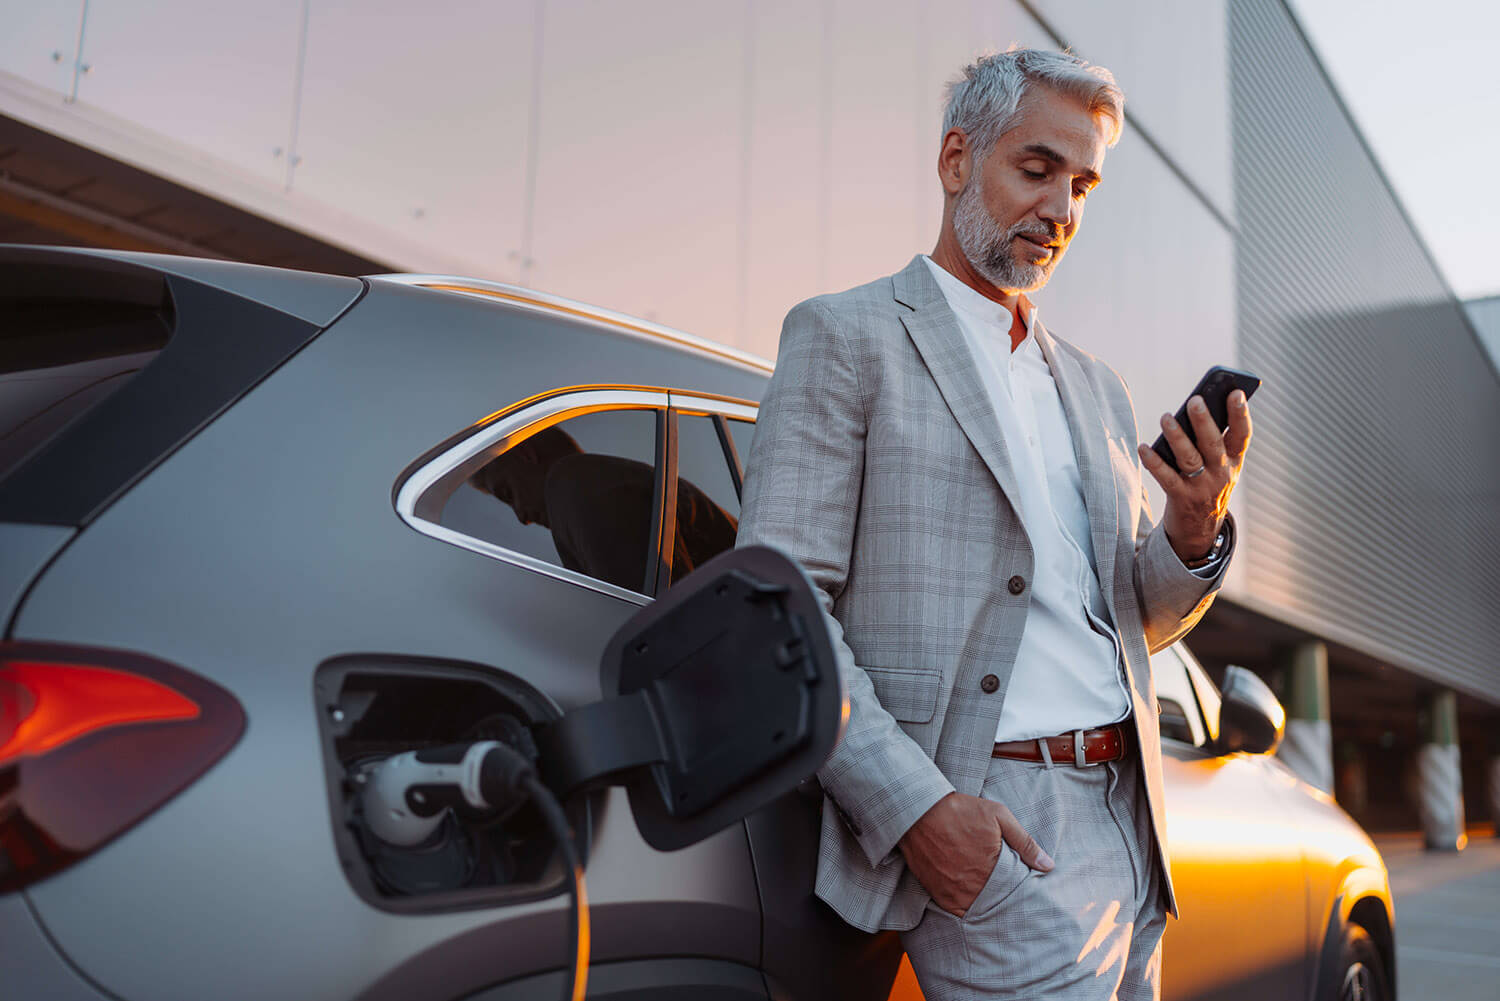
1196,472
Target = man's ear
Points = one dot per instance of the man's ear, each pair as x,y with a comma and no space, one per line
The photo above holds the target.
954,162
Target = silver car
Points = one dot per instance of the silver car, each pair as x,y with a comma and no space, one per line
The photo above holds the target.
262,530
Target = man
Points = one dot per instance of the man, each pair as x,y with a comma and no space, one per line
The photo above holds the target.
960,486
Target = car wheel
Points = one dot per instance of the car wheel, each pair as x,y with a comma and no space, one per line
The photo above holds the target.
1361,970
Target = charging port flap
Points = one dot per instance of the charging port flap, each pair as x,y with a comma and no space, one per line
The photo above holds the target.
728,696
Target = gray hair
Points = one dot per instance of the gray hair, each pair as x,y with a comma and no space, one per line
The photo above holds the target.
983,104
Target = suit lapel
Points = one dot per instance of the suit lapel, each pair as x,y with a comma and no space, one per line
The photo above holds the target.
934,330
1091,448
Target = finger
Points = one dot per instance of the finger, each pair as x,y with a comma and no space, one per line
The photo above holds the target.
1183,450
1165,476
1210,438
1237,437
1025,845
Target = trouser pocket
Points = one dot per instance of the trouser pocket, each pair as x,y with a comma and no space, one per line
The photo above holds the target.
1005,878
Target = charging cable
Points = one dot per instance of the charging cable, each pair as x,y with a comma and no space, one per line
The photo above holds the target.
406,795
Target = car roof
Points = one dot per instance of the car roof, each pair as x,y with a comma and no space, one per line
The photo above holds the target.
310,296
622,323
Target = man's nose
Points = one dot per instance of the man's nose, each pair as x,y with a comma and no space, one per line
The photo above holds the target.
1057,207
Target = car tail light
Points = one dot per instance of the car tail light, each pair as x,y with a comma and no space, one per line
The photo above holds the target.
91,741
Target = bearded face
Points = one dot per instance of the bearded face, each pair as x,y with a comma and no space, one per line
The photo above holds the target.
1016,258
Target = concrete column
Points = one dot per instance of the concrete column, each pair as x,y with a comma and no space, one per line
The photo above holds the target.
1494,793
1440,798
1308,746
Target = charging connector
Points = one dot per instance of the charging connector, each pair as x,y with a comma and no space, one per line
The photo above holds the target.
407,796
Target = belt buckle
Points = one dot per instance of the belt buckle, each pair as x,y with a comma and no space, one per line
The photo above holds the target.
1078,756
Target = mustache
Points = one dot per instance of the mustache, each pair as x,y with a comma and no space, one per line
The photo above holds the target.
1047,234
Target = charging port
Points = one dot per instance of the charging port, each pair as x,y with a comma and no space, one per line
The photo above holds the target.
372,707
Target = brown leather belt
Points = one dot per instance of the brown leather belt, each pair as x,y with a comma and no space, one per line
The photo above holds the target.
1095,747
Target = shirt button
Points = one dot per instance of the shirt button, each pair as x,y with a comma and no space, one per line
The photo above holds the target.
988,684
1017,584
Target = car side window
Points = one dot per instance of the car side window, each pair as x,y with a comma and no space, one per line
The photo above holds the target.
1174,694
708,505
741,434
1208,695
580,494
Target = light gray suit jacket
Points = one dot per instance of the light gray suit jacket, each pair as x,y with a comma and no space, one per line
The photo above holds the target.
878,462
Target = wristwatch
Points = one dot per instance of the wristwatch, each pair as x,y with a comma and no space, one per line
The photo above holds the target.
1214,552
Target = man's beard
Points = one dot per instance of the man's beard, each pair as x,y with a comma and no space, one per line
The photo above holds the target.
988,247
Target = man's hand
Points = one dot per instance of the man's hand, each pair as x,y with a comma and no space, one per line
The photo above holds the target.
1196,504
953,848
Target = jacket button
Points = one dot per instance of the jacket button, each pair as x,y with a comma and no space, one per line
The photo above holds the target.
989,683
1017,584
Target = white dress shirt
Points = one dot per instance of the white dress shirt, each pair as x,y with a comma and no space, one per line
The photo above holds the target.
1068,672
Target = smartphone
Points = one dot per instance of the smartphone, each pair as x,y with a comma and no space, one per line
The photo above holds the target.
1215,386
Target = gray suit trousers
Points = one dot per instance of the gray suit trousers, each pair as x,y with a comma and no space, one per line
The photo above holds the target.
1089,930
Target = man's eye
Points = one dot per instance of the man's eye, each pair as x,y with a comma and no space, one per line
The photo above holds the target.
1081,193
1035,175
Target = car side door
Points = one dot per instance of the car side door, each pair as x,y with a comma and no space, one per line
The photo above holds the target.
1235,852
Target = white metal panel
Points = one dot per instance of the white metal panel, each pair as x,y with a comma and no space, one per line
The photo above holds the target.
875,59
215,75
414,118
953,34
40,40
1372,485
639,159
1171,57
784,211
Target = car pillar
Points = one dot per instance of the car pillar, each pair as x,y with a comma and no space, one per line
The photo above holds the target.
1440,798
1307,748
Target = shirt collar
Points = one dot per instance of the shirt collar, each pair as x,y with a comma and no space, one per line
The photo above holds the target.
982,307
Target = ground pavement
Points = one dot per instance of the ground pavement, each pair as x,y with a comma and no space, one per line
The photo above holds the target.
1447,917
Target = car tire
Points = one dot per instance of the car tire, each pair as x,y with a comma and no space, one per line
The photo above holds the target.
1361,971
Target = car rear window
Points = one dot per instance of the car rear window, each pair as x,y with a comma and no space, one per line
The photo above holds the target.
107,366
60,358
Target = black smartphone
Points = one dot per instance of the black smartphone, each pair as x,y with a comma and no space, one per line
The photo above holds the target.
1215,386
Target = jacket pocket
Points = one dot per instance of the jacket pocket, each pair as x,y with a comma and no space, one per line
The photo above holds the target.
908,693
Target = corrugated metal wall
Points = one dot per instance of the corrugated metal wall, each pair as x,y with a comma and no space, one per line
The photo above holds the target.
1373,482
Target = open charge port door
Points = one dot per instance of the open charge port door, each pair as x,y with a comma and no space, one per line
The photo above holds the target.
374,706
722,695
727,696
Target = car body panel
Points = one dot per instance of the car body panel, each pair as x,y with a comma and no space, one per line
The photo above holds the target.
291,553
1274,866
644,980
808,947
1347,883
27,957
1236,852
24,550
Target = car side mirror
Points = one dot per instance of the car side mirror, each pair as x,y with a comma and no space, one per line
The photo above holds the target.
1251,718
722,695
